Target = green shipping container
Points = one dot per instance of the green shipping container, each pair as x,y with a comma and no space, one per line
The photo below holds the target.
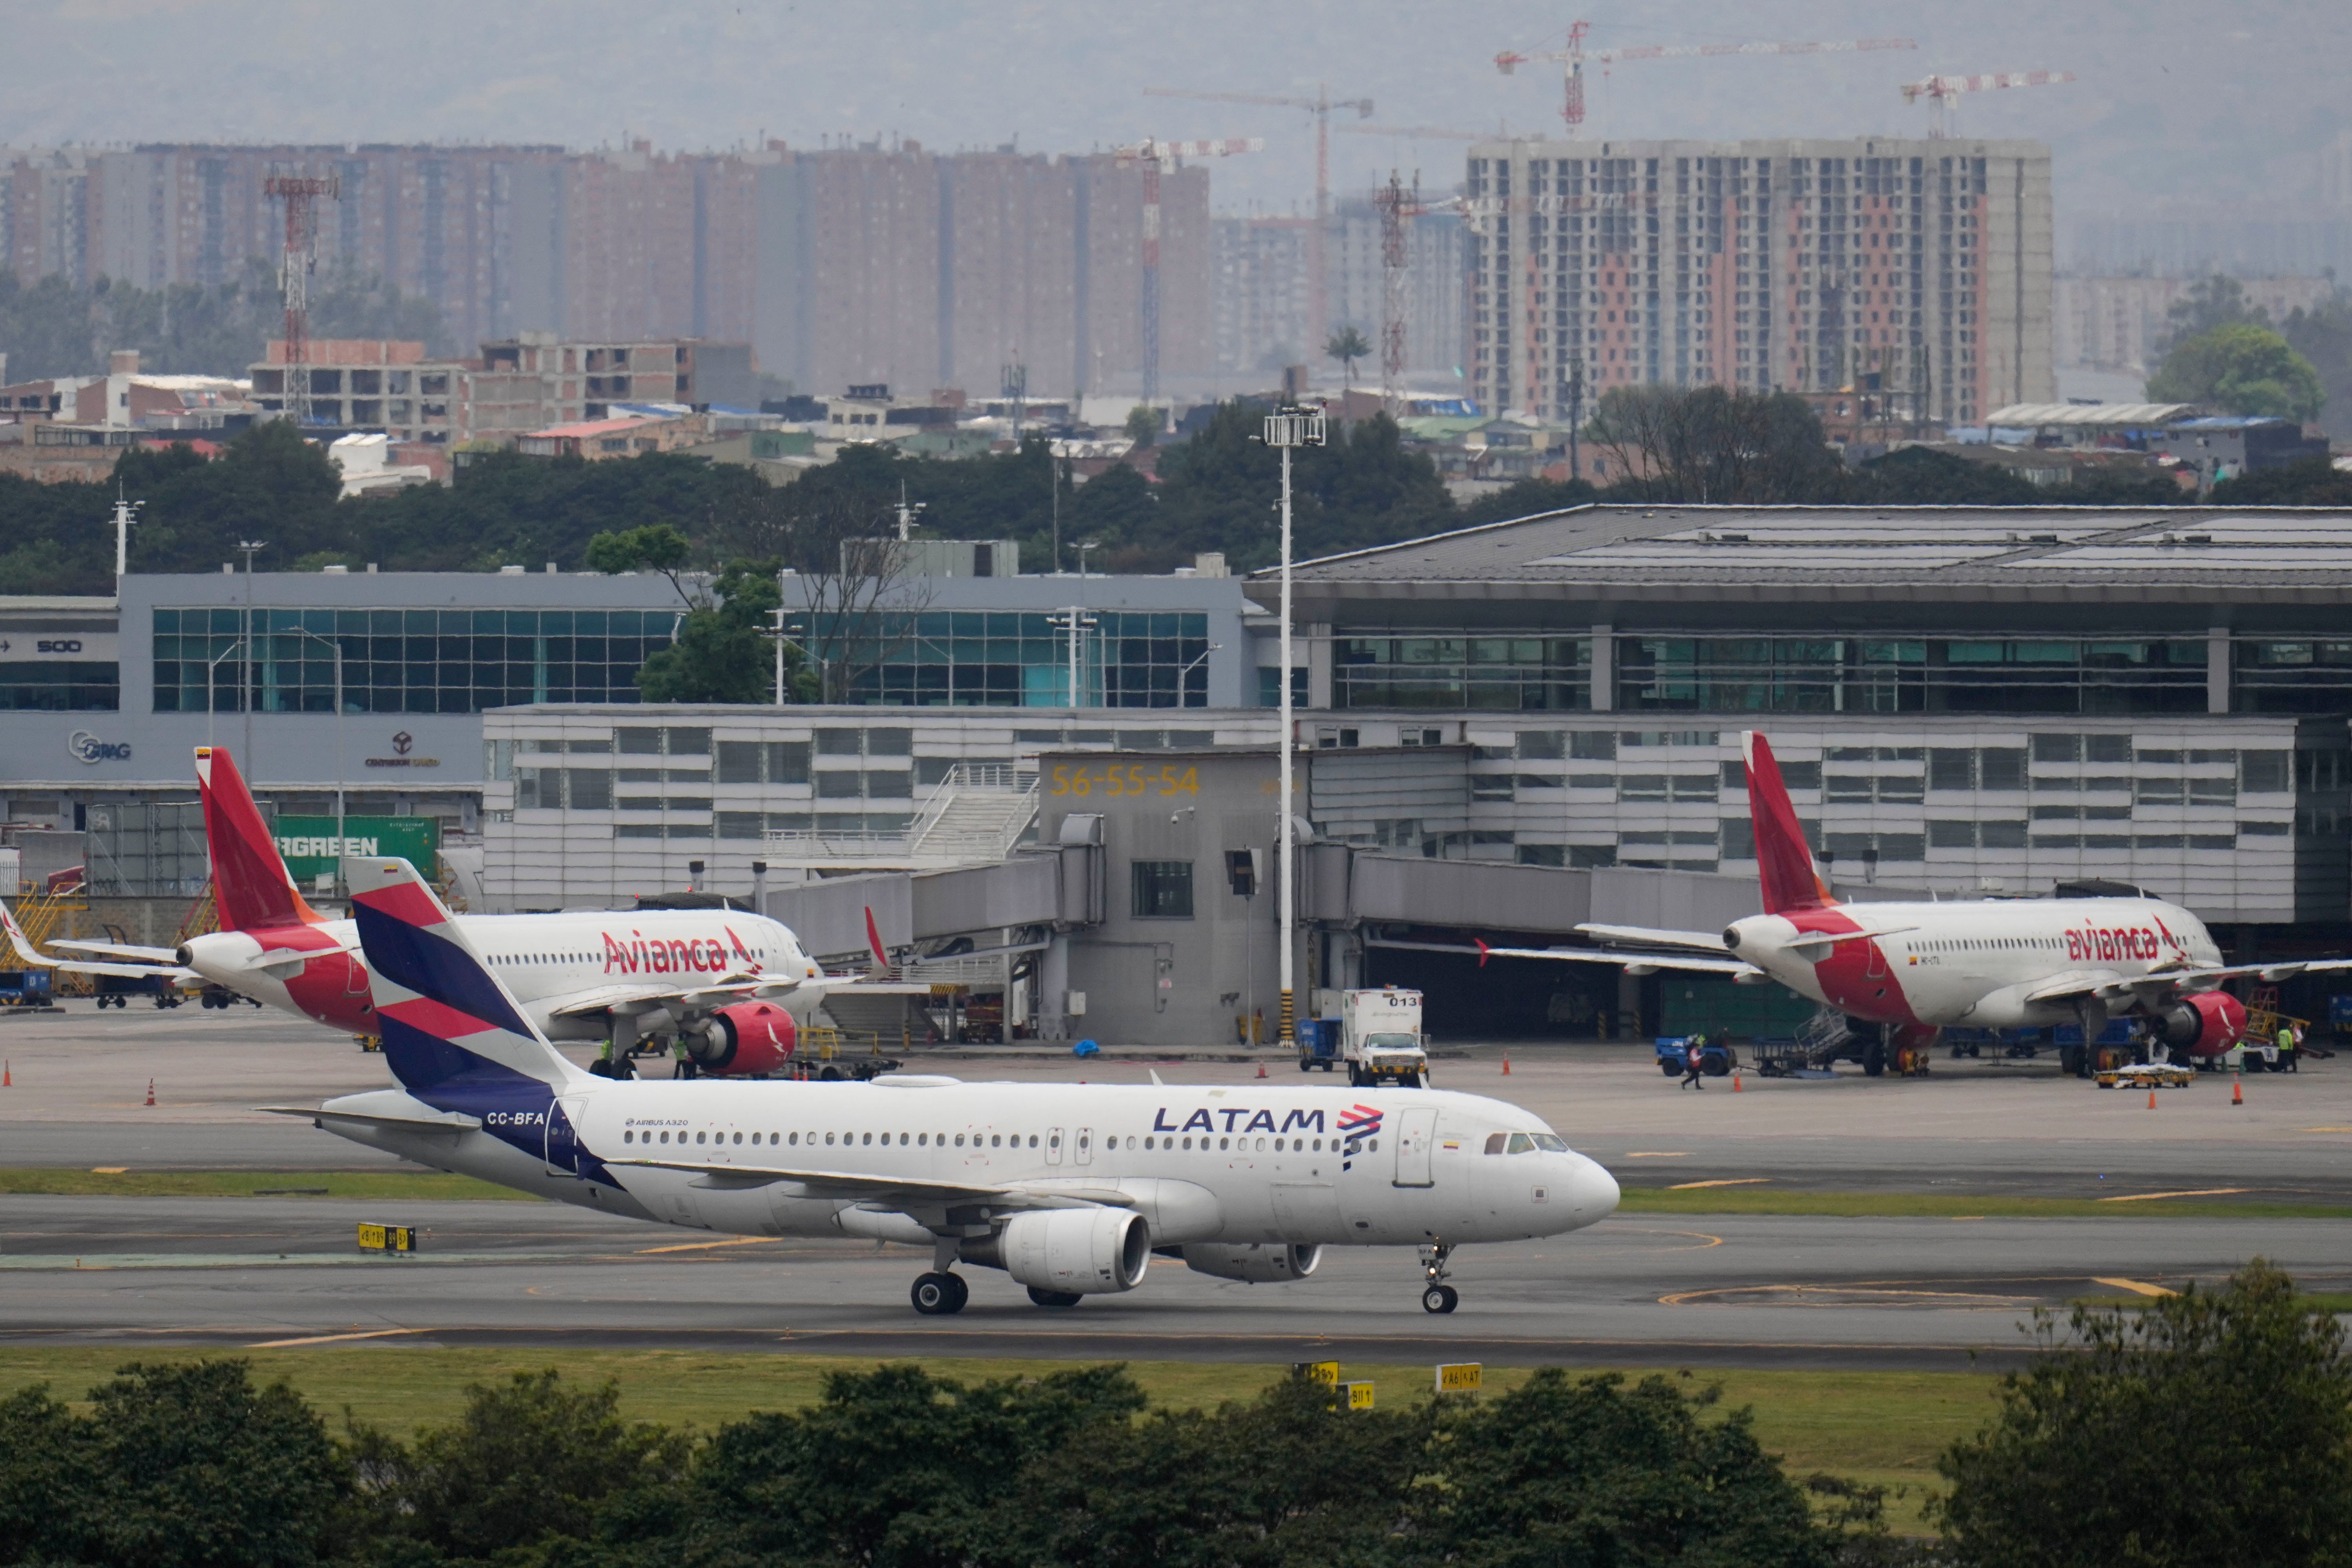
1688,1002
313,847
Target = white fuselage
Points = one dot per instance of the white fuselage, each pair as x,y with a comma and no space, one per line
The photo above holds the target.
1257,1163
546,960
1975,964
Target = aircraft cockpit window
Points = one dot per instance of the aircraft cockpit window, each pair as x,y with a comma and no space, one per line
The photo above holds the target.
1495,1142
1521,1144
1551,1142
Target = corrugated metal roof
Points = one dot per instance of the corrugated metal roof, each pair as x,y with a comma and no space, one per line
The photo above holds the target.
2029,414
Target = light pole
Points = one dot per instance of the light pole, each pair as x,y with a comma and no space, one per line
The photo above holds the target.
1082,549
251,547
1077,623
336,646
1188,669
212,702
1284,430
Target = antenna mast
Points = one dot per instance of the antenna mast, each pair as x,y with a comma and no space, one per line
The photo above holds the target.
300,193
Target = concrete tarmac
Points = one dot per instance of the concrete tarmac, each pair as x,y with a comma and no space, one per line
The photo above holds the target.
1699,1290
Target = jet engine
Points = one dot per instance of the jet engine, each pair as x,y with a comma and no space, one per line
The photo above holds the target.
743,1037
1253,1262
1081,1252
2204,1024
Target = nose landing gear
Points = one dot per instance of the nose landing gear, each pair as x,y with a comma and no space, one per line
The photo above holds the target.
1437,1296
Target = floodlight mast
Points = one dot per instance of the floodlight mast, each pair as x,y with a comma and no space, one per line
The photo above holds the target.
1284,430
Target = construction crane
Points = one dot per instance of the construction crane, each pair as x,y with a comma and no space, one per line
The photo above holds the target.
1155,155
1421,133
1320,106
300,193
1940,90
1396,203
1573,56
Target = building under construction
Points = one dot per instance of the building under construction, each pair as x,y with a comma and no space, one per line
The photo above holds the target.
1920,267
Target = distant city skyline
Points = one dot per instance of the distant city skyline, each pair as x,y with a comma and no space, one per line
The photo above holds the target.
2176,106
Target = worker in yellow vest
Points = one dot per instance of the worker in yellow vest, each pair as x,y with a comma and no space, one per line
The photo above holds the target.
2287,1047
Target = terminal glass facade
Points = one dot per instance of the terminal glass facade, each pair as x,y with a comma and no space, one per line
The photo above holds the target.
59,686
399,662
1511,672
1936,675
1009,658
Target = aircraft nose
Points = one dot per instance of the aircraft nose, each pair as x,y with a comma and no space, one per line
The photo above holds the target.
1594,1191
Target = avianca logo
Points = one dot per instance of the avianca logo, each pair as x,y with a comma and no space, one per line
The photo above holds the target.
640,955
740,951
2100,944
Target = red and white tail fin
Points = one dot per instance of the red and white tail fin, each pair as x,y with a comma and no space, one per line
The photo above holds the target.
250,883
1791,881
881,970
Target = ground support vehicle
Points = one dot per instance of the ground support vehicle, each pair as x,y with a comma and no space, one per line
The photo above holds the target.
1381,1038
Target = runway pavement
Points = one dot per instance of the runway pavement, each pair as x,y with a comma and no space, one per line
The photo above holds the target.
1701,1290
1710,1290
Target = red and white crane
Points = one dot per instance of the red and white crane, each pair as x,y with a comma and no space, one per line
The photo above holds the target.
1320,106
1155,155
1940,90
1574,58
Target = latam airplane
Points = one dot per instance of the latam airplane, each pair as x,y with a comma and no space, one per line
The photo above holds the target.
1911,968
1069,1188
735,988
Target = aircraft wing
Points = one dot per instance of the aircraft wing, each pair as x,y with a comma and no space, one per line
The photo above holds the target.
1638,962
892,1192
599,997
162,955
2073,983
447,1121
1712,941
26,953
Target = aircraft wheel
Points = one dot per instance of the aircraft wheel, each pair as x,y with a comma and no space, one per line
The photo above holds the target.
937,1295
1440,1299
1053,1298
1874,1061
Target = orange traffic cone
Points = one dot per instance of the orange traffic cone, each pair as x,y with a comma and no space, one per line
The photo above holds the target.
2238,1092
2151,1099
1261,1069
1734,1081
1506,1064
150,1091
7,1075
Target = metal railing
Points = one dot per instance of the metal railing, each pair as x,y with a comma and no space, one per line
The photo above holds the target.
1004,794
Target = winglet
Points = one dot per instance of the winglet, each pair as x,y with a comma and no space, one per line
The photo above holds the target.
1791,881
250,882
449,1025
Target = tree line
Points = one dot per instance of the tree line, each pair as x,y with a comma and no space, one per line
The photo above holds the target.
2214,1428
1216,491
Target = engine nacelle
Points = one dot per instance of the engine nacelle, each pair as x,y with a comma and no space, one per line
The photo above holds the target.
743,1037
1254,1263
1086,1252
2204,1024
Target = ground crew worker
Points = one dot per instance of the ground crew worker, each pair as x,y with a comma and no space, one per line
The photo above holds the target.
1694,1061
2287,1047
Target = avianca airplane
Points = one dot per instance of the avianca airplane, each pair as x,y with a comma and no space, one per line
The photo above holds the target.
735,988
1069,1188
1912,969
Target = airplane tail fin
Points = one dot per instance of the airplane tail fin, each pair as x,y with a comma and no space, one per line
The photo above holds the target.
25,952
881,970
448,1024
250,883
1791,881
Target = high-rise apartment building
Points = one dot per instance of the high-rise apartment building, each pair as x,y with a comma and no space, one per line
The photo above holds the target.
1796,264
1261,274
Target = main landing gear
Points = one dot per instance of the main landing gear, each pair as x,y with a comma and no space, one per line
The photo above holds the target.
939,1294
1437,1296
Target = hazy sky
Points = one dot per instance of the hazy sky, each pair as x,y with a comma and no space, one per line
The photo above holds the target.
2177,103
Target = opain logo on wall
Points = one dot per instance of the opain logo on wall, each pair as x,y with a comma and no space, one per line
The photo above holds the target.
89,750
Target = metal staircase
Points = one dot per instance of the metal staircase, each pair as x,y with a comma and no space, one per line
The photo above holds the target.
973,816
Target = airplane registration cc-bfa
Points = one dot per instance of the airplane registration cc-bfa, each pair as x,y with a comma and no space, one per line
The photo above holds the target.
1069,1188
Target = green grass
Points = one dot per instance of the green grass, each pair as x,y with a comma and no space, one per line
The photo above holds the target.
1937,1206
1880,1427
138,1184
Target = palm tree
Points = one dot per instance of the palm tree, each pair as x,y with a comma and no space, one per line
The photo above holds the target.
1347,345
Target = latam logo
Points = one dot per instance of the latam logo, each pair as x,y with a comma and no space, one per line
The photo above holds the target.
642,955
1202,1121
1355,1124
2098,945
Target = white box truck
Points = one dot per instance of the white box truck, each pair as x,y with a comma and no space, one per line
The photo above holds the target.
1381,1038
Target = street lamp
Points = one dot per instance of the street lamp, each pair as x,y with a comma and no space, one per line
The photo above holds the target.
212,702
251,547
1285,429
336,647
1188,669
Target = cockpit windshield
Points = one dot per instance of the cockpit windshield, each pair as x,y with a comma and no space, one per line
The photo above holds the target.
1526,1143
